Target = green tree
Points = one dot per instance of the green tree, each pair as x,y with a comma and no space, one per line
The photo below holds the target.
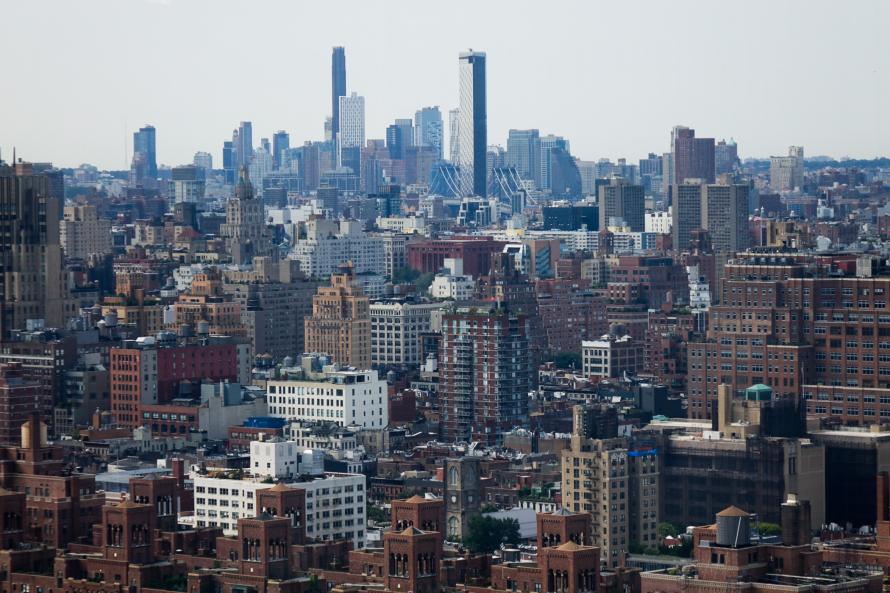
567,360
769,528
485,534
424,281
377,514
404,275
666,529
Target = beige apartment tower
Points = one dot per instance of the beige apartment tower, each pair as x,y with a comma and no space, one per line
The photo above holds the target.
83,233
340,325
617,483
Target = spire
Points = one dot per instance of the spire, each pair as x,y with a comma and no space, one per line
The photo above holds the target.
244,189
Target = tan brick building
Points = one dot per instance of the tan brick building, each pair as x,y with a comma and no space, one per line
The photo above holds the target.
340,325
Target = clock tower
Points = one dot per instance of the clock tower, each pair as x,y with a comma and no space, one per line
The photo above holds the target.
462,494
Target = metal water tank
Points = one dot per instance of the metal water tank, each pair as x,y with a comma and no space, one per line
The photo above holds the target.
733,528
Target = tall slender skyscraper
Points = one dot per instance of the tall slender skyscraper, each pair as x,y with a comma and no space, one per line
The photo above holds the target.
144,168
228,157
338,87
32,277
473,124
546,145
242,145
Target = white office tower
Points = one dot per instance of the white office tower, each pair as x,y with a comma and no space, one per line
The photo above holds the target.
352,123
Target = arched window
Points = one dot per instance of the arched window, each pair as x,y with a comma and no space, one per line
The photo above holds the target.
453,526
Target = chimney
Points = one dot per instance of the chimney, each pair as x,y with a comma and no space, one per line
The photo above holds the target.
883,496
796,528
178,466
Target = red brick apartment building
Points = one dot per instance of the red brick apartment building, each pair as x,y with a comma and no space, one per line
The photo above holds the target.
816,327
148,373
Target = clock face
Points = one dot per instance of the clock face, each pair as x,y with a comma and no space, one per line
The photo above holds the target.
453,498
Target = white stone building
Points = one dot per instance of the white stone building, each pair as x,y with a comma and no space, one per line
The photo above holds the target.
611,357
396,325
658,222
335,504
344,396
329,243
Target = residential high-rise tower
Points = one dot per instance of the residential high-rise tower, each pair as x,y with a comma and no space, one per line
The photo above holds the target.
473,126
454,136
622,201
693,157
485,374
786,172
144,142
351,136
280,143
338,87
523,148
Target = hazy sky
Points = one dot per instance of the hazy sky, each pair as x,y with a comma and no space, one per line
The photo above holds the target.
613,77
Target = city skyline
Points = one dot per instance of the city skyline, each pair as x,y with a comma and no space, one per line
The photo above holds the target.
774,103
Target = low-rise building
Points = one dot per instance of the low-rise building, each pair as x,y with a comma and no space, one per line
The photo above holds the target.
612,357
343,395
335,503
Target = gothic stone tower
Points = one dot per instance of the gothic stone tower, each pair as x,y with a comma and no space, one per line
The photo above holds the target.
462,494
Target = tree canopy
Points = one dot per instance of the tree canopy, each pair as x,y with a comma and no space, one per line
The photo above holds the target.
485,534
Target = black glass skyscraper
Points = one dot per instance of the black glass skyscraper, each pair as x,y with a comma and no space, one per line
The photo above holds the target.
473,124
144,142
338,87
